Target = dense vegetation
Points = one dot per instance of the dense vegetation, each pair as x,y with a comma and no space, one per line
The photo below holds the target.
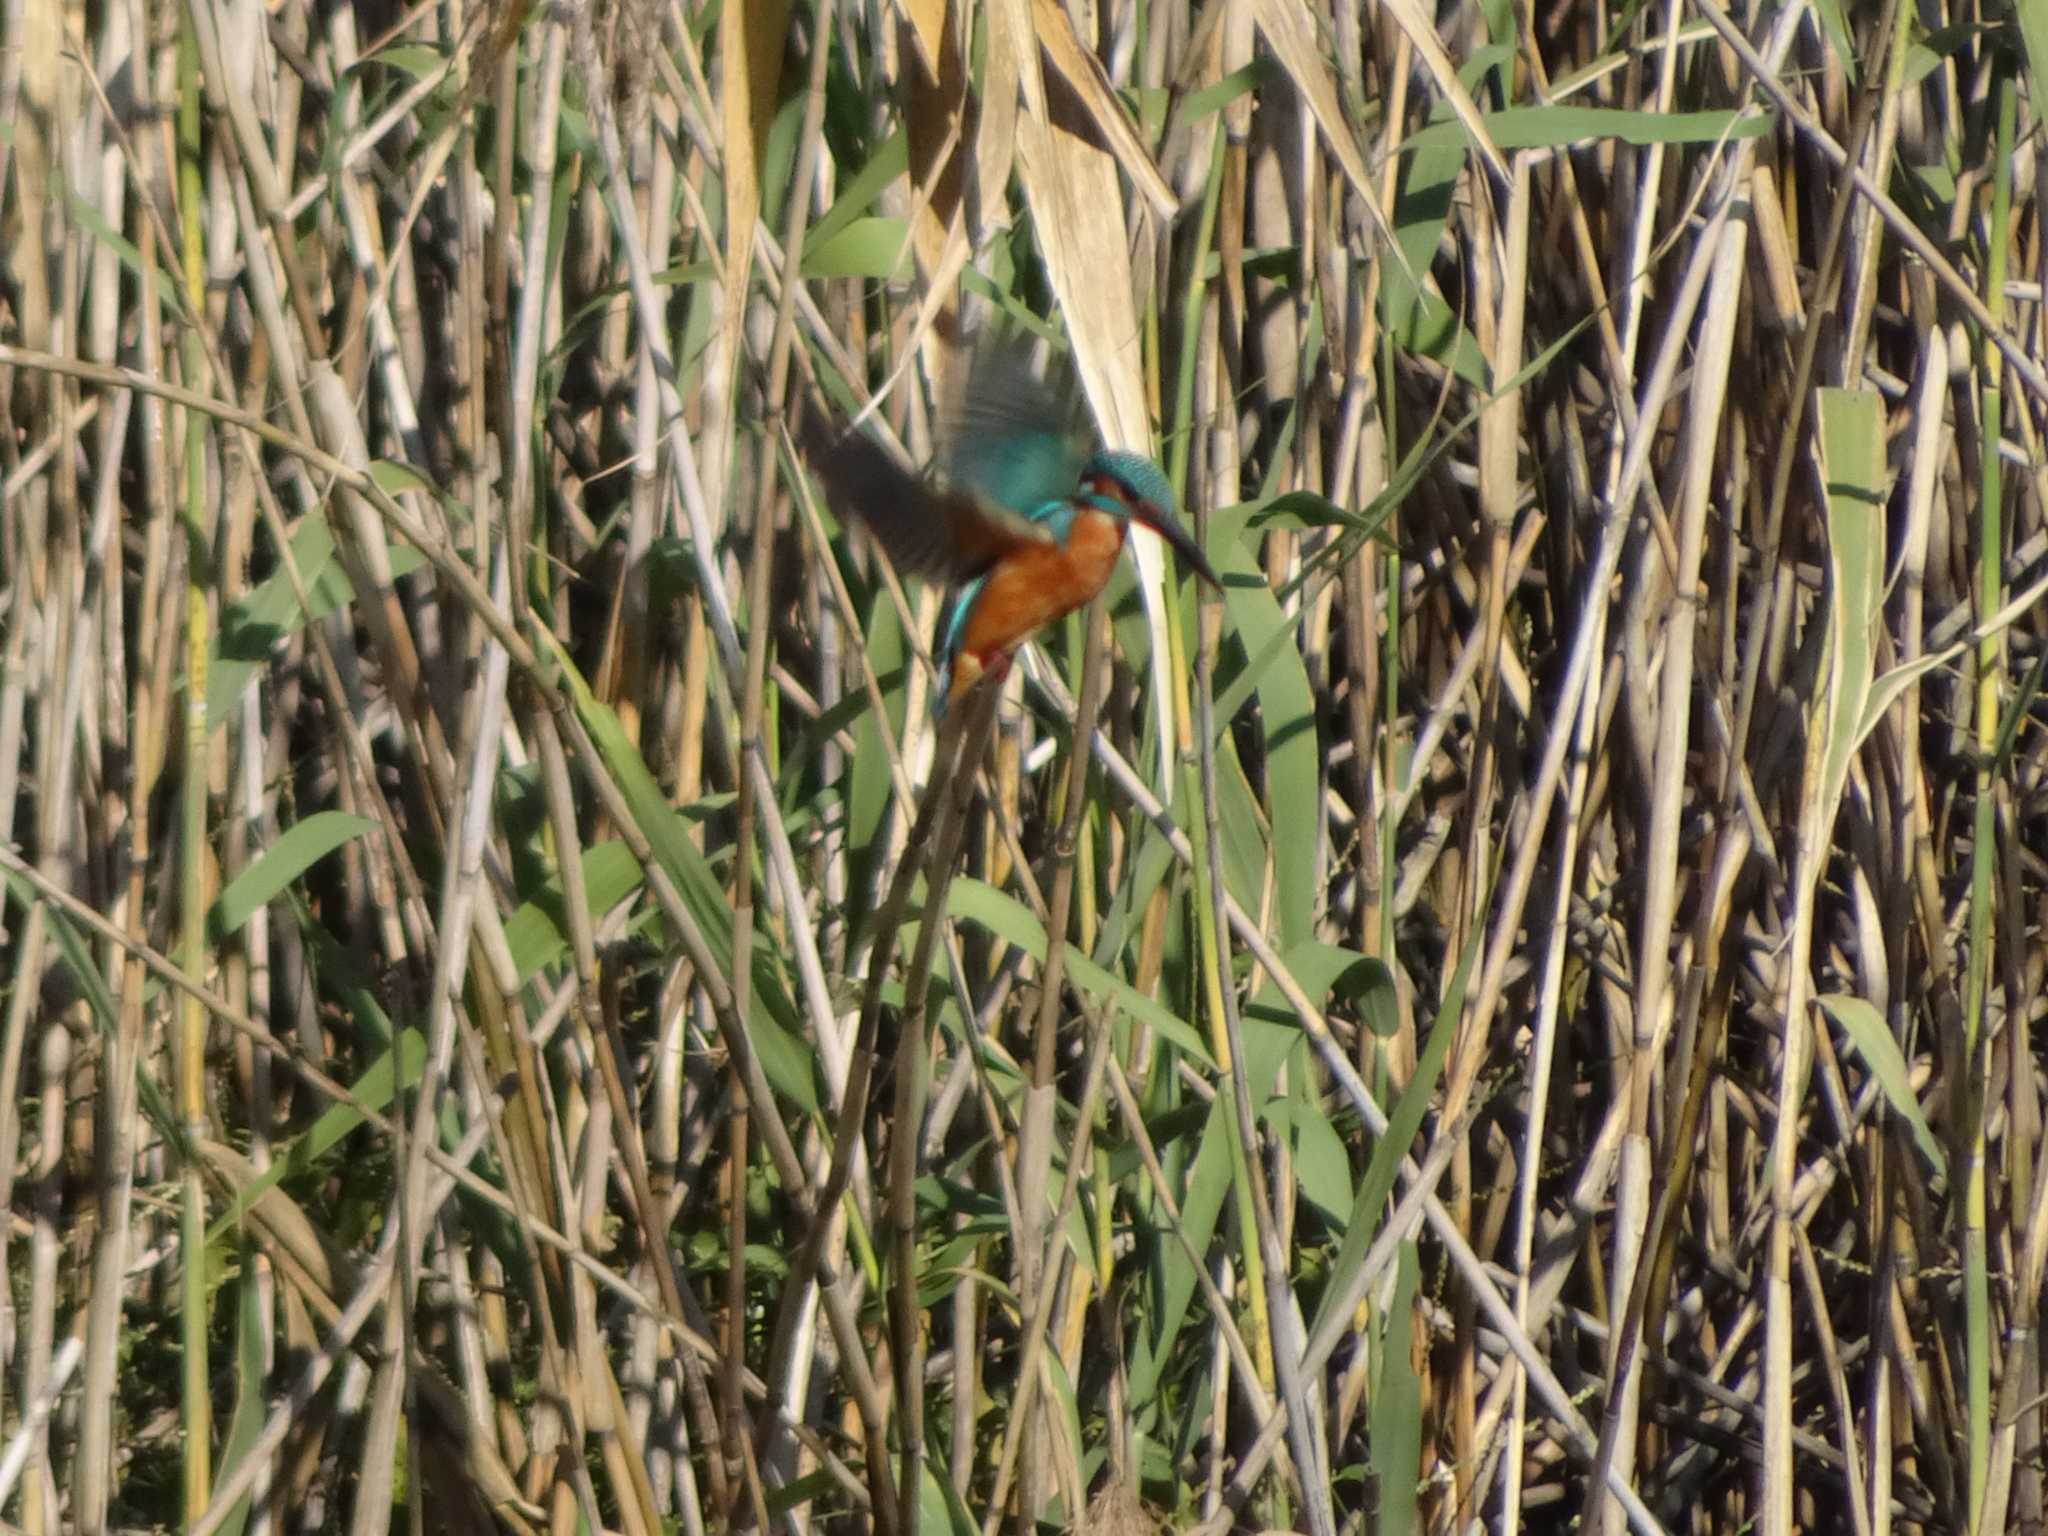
518,1016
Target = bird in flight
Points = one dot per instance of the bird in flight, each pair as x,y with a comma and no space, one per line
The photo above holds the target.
1026,524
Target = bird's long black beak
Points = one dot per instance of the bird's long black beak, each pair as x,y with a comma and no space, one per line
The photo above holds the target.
1171,529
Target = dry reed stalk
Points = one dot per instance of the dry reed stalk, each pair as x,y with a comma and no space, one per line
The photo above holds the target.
431,687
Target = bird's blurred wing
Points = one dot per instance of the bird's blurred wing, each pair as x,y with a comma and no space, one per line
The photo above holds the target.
948,536
1010,438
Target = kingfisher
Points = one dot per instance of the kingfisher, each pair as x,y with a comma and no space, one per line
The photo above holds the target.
1025,525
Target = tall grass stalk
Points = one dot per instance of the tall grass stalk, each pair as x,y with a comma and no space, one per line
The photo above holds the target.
1974,1077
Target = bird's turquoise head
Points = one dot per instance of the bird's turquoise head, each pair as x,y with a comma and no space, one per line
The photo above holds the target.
1132,487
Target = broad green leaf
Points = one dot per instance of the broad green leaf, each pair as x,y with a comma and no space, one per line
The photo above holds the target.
396,479
976,901
1852,463
874,248
783,1497
1271,1028
1172,1132
535,934
1322,1165
2032,17
1153,863
93,222
1413,1105
1402,1125
303,845
778,153
255,625
1306,509
1369,986
772,1027
335,972
1208,1183
858,194
372,1090
1288,716
683,274
939,1510
1483,61
1879,1048
1420,321
1921,61
1273,1035
252,1372
1241,825
1396,1412
1887,689
415,60
1834,25
1554,127
1214,98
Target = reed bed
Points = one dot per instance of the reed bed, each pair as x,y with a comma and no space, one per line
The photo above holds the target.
1518,1012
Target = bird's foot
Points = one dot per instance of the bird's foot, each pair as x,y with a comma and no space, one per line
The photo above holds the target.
970,672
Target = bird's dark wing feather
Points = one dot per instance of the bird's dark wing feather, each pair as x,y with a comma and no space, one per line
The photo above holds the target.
949,536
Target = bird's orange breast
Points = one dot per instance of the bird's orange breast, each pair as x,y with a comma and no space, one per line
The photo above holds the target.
1035,585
